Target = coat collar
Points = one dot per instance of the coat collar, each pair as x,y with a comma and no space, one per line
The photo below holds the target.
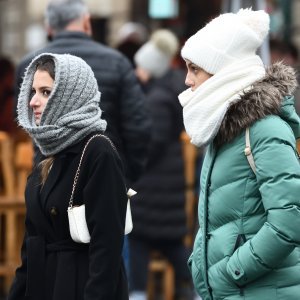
265,98
71,34
59,165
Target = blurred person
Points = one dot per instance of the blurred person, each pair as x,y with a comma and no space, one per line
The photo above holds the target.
7,118
158,209
68,24
283,51
288,53
131,36
8,123
58,106
247,246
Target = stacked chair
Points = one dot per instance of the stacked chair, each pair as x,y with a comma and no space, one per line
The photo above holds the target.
15,166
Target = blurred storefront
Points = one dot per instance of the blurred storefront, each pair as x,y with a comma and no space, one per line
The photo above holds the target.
22,26
22,29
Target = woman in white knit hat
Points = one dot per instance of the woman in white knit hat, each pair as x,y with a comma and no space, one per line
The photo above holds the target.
58,106
247,246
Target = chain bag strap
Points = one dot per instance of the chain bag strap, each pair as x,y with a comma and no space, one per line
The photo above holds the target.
76,214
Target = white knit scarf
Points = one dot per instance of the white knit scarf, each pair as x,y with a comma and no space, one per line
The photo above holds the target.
205,108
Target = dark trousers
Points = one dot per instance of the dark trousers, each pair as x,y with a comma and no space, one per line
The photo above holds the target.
140,250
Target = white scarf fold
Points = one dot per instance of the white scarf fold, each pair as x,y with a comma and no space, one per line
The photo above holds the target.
205,108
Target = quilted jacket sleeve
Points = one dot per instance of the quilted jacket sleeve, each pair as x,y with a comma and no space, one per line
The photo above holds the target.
278,177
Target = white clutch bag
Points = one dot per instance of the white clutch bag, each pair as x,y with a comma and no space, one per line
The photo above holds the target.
77,223
76,214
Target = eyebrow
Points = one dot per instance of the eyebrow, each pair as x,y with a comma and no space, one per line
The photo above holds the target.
44,87
191,64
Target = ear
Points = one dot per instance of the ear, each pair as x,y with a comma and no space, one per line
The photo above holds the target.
50,32
87,26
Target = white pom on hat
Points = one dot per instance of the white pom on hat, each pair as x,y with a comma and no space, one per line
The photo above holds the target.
258,21
156,55
227,39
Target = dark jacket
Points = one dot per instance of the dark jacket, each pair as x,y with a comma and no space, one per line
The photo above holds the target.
158,209
53,266
122,100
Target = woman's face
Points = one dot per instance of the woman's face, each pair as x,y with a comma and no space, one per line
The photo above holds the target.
195,75
41,88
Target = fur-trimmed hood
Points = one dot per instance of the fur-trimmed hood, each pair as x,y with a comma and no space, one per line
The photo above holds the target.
269,96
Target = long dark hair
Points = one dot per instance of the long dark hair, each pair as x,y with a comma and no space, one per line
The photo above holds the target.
48,66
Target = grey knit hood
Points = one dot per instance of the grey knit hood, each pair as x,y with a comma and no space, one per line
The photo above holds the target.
72,111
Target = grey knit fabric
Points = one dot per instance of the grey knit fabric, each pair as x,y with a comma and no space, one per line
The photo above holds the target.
72,111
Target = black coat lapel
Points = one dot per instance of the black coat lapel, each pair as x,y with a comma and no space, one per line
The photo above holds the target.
35,213
52,178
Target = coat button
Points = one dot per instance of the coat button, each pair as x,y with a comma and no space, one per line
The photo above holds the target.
53,211
237,272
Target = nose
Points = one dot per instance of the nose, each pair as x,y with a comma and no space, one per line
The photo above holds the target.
34,101
188,81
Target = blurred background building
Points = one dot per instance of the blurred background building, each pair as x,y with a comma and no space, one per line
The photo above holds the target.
22,30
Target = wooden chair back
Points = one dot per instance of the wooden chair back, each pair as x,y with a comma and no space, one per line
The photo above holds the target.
15,166
190,154
6,164
23,165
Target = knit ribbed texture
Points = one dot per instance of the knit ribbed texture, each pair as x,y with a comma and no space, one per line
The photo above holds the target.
72,111
227,39
205,108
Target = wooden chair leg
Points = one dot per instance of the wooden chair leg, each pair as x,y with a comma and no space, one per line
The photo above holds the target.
10,246
169,284
163,267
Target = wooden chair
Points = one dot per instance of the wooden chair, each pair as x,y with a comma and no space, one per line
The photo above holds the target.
190,154
11,209
6,164
158,264
16,163
23,165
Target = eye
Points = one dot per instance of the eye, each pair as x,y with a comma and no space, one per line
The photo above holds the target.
194,69
46,93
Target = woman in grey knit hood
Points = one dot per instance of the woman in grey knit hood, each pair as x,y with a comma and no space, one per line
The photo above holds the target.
59,107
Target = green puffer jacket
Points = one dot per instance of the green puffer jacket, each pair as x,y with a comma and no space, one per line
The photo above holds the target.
247,246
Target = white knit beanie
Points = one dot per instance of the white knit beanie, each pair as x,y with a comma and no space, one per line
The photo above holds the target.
156,55
226,39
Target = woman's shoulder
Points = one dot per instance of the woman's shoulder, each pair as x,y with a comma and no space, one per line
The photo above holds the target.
270,127
100,145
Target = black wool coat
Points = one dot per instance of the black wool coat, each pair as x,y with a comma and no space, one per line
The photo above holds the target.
158,209
54,267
